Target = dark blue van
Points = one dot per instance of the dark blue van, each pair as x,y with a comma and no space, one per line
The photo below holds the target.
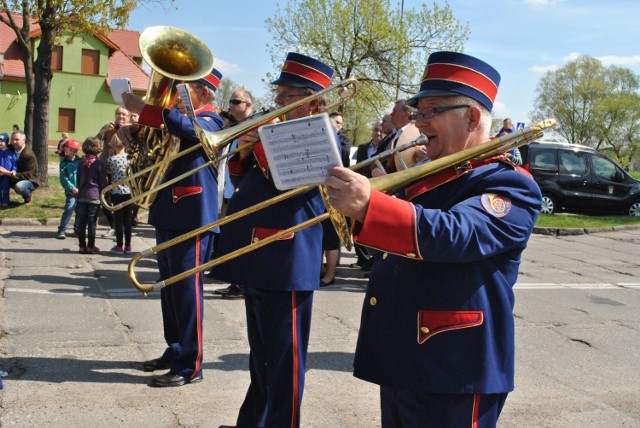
576,178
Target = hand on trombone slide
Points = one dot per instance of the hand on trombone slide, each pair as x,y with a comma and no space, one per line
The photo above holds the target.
249,141
348,192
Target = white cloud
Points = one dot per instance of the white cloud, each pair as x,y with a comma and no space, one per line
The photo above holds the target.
542,2
620,60
499,108
572,56
227,68
543,68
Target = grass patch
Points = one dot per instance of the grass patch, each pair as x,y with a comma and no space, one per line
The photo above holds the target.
573,221
46,202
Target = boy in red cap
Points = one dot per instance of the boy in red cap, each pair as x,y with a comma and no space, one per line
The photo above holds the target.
68,180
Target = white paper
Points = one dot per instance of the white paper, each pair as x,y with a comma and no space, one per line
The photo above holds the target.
185,98
118,87
300,151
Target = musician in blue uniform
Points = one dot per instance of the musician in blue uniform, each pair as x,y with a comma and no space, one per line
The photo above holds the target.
437,328
278,280
186,205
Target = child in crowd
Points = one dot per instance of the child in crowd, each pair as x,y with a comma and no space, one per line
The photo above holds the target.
68,180
60,150
117,170
92,178
9,162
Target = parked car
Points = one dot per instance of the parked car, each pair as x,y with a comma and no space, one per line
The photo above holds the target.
577,178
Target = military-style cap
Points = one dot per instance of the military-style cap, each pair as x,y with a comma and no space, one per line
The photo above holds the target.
451,73
302,71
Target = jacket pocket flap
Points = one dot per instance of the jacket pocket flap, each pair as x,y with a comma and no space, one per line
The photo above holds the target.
431,323
260,233
179,192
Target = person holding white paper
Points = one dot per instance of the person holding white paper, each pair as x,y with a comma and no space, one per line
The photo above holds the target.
278,280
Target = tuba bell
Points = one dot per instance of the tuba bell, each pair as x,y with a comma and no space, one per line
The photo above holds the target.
174,56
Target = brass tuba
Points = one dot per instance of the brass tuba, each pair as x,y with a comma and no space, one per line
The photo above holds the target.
174,56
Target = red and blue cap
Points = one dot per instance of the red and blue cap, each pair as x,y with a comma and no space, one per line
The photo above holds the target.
211,80
451,73
301,71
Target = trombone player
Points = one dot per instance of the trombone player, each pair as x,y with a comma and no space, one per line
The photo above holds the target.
278,281
437,330
186,205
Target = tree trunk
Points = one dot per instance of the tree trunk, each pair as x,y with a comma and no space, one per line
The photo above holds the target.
42,89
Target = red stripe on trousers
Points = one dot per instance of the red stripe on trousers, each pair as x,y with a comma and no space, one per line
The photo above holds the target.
476,410
198,310
296,361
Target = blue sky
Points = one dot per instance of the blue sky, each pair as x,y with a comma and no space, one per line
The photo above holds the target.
522,39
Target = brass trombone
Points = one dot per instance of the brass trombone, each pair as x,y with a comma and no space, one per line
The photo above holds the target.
390,183
214,142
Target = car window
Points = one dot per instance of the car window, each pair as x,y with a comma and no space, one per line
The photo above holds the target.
574,163
604,168
545,159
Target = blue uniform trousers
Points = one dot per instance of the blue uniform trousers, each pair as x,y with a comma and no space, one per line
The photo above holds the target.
408,409
183,302
278,325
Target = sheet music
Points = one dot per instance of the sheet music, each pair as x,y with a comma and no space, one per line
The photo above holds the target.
300,151
118,87
185,97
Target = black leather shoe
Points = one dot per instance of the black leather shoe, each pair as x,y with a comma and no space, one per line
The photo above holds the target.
326,284
157,364
171,379
233,291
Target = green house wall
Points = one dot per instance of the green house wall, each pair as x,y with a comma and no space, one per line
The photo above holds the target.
87,94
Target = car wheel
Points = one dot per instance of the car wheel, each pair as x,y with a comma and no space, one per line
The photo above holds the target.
634,209
548,204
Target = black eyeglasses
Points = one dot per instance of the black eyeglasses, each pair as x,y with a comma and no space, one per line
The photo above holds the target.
236,102
430,112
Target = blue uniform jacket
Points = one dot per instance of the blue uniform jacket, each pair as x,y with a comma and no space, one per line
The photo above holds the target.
293,262
191,202
437,316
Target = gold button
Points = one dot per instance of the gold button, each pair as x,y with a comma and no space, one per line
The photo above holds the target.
237,189
411,255
373,301
162,126
256,239
384,256
425,330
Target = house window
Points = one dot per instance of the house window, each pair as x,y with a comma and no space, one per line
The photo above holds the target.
56,58
90,61
67,120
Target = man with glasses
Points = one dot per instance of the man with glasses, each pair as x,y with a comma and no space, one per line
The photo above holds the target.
278,280
437,331
240,108
240,104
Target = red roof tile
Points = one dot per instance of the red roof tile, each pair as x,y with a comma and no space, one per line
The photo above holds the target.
123,46
127,40
120,65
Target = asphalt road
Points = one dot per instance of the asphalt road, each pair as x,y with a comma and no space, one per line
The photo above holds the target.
77,333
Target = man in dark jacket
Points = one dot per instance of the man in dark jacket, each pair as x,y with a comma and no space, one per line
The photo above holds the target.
25,179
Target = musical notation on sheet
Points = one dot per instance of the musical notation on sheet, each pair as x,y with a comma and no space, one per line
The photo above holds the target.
300,151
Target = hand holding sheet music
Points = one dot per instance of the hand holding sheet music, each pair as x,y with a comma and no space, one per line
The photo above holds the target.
300,151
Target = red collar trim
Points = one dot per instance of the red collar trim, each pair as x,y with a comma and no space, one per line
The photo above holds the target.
206,107
261,157
445,176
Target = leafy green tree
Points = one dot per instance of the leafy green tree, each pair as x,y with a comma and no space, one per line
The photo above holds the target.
594,105
384,47
56,18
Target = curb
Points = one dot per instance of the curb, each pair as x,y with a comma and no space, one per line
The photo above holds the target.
581,231
536,230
